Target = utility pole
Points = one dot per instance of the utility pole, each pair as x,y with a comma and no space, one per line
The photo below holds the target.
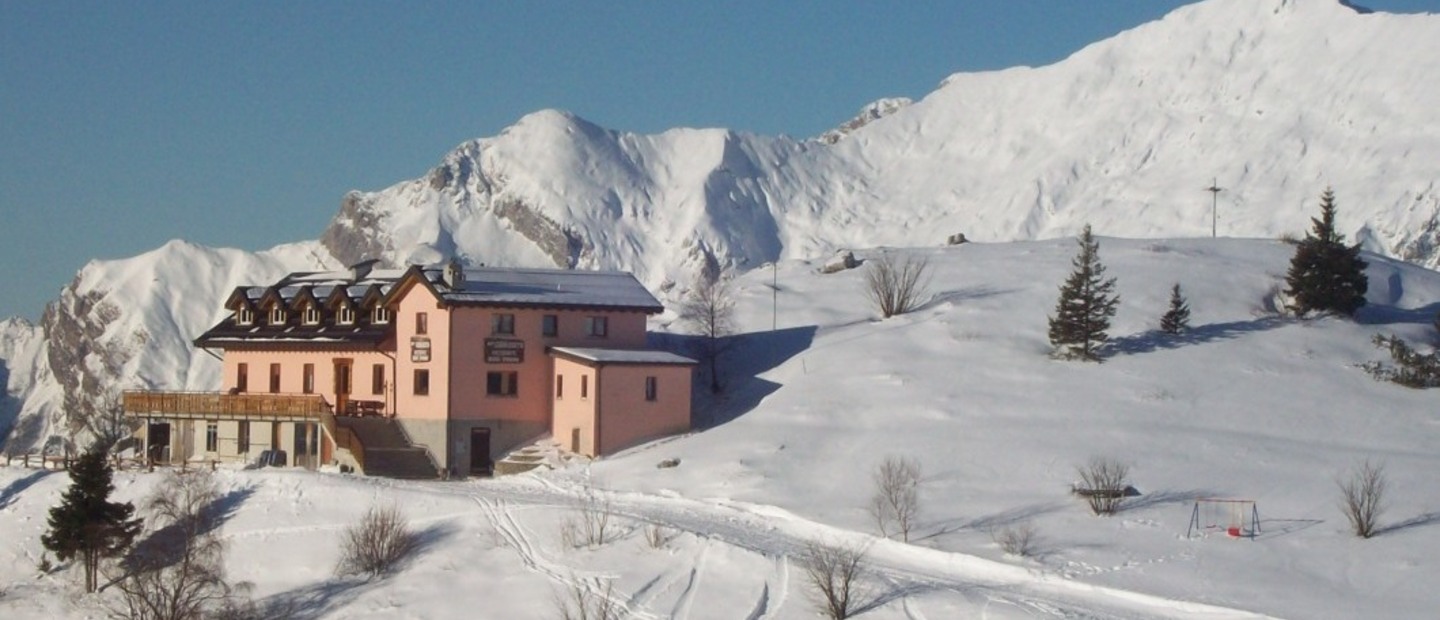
774,294
1214,190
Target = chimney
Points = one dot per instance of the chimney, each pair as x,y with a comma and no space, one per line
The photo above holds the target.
359,270
454,275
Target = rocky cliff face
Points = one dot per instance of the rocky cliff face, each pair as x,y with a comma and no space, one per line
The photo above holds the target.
1276,99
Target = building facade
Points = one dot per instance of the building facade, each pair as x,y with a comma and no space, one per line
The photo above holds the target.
469,364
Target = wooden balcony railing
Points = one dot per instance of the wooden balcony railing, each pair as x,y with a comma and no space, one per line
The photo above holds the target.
218,404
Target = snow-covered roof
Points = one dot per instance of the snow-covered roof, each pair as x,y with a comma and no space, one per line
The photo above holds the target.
622,356
548,287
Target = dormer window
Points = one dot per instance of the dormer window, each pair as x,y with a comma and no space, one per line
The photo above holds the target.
380,316
345,316
277,315
312,315
244,316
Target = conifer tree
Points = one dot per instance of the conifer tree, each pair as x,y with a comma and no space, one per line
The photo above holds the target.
1326,276
86,524
1177,318
1087,301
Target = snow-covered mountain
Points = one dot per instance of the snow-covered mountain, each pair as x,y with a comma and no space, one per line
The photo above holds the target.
1276,99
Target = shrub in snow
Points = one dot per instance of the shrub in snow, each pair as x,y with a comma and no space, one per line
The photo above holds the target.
1087,301
1018,540
896,287
590,527
1326,276
377,543
1104,483
1362,497
580,602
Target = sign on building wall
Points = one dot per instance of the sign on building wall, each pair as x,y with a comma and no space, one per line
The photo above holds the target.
504,351
419,349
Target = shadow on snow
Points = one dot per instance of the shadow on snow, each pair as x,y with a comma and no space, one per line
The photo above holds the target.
745,358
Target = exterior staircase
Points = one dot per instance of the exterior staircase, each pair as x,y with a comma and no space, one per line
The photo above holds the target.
387,452
542,453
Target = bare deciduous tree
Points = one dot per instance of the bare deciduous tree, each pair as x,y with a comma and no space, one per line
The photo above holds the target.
178,572
584,603
895,503
377,543
836,574
1103,483
896,287
709,309
1362,497
104,421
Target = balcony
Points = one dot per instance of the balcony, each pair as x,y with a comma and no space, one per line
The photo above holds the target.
222,406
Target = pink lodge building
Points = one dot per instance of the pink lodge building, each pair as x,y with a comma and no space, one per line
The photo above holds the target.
424,372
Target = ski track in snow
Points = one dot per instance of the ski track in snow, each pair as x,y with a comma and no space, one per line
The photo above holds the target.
905,569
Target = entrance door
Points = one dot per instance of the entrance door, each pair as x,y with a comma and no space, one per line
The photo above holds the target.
159,440
342,386
480,451
304,454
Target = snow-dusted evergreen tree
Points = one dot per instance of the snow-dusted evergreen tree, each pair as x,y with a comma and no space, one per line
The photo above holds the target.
86,524
1326,276
1087,301
1177,318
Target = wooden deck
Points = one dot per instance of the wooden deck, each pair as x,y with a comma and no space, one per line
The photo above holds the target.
222,406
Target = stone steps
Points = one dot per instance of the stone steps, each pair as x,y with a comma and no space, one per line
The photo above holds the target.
387,453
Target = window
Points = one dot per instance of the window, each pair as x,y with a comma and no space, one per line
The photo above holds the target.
245,316
312,315
346,315
242,377
650,388
422,382
559,386
212,437
277,315
422,324
584,386
596,326
550,325
274,378
501,383
380,316
308,386
377,379
242,437
502,323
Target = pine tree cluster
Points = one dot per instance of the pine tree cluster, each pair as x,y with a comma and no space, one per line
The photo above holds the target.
1087,302
1326,276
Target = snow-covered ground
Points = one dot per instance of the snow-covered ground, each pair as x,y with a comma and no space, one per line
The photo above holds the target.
1249,404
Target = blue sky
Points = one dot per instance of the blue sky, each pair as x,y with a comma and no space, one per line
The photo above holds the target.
124,125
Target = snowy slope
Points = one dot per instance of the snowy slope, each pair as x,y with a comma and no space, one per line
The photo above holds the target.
1274,98
1249,404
